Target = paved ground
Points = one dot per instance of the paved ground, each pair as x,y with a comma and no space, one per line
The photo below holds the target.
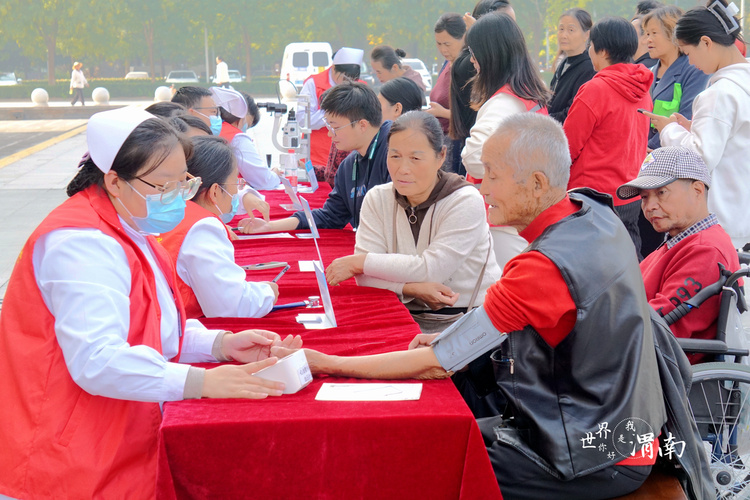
33,177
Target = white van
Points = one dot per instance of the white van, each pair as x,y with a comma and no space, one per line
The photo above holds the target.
302,59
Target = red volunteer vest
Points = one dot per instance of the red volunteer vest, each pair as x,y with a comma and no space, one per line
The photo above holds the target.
320,143
172,242
228,132
531,106
59,441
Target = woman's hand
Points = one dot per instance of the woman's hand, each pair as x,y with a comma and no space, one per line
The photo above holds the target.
438,111
469,20
344,268
253,225
682,121
658,121
435,295
251,202
275,289
254,345
237,381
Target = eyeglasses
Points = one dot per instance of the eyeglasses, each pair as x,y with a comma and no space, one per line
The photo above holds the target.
333,130
241,183
471,53
172,189
214,109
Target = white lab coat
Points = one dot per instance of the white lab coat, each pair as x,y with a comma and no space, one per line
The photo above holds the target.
206,264
84,278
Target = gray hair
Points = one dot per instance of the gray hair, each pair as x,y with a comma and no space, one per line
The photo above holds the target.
538,144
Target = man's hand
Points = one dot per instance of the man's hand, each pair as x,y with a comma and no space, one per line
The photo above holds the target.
435,295
422,340
252,202
237,381
344,268
317,361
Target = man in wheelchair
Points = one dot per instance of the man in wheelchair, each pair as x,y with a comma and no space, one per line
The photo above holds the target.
673,186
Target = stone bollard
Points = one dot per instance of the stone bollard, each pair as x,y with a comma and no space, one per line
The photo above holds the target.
162,94
100,95
40,97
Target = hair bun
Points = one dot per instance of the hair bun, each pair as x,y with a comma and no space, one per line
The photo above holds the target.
401,53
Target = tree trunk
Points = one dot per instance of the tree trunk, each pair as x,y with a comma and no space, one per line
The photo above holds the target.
50,42
148,32
246,46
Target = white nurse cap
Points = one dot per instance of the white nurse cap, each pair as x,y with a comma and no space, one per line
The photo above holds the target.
348,55
232,101
108,130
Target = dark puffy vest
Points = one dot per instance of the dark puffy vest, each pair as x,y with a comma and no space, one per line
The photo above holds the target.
604,371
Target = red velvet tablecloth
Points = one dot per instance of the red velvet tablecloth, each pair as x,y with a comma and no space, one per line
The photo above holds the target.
295,447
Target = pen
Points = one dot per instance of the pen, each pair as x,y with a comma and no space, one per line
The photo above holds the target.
283,271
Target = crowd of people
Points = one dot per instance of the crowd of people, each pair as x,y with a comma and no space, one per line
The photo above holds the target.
535,234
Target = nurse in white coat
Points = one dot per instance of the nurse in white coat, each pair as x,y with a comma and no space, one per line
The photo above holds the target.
211,283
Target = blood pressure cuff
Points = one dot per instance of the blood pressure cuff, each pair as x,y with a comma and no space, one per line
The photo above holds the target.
466,340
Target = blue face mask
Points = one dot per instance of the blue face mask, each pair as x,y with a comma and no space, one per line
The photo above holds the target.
215,124
160,218
244,128
226,218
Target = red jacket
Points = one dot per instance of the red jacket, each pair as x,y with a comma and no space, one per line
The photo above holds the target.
59,441
673,275
172,242
320,143
607,136
228,131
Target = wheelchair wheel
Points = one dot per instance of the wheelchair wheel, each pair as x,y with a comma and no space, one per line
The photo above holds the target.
720,402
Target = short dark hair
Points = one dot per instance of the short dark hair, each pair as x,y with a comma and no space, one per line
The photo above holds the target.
583,18
252,108
148,144
405,91
616,36
451,23
213,161
228,117
423,122
645,6
194,122
703,21
487,6
500,49
354,101
190,96
351,71
219,58
166,109
387,56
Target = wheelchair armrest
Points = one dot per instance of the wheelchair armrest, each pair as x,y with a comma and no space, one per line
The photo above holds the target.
691,346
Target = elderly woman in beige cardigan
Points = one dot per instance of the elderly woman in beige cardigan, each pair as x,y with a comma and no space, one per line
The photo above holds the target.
425,234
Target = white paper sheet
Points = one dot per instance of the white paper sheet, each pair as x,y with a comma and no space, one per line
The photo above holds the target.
306,266
369,392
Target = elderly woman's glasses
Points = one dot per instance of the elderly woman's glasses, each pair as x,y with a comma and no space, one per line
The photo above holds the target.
172,189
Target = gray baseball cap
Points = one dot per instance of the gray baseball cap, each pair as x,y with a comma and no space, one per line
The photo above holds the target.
664,166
